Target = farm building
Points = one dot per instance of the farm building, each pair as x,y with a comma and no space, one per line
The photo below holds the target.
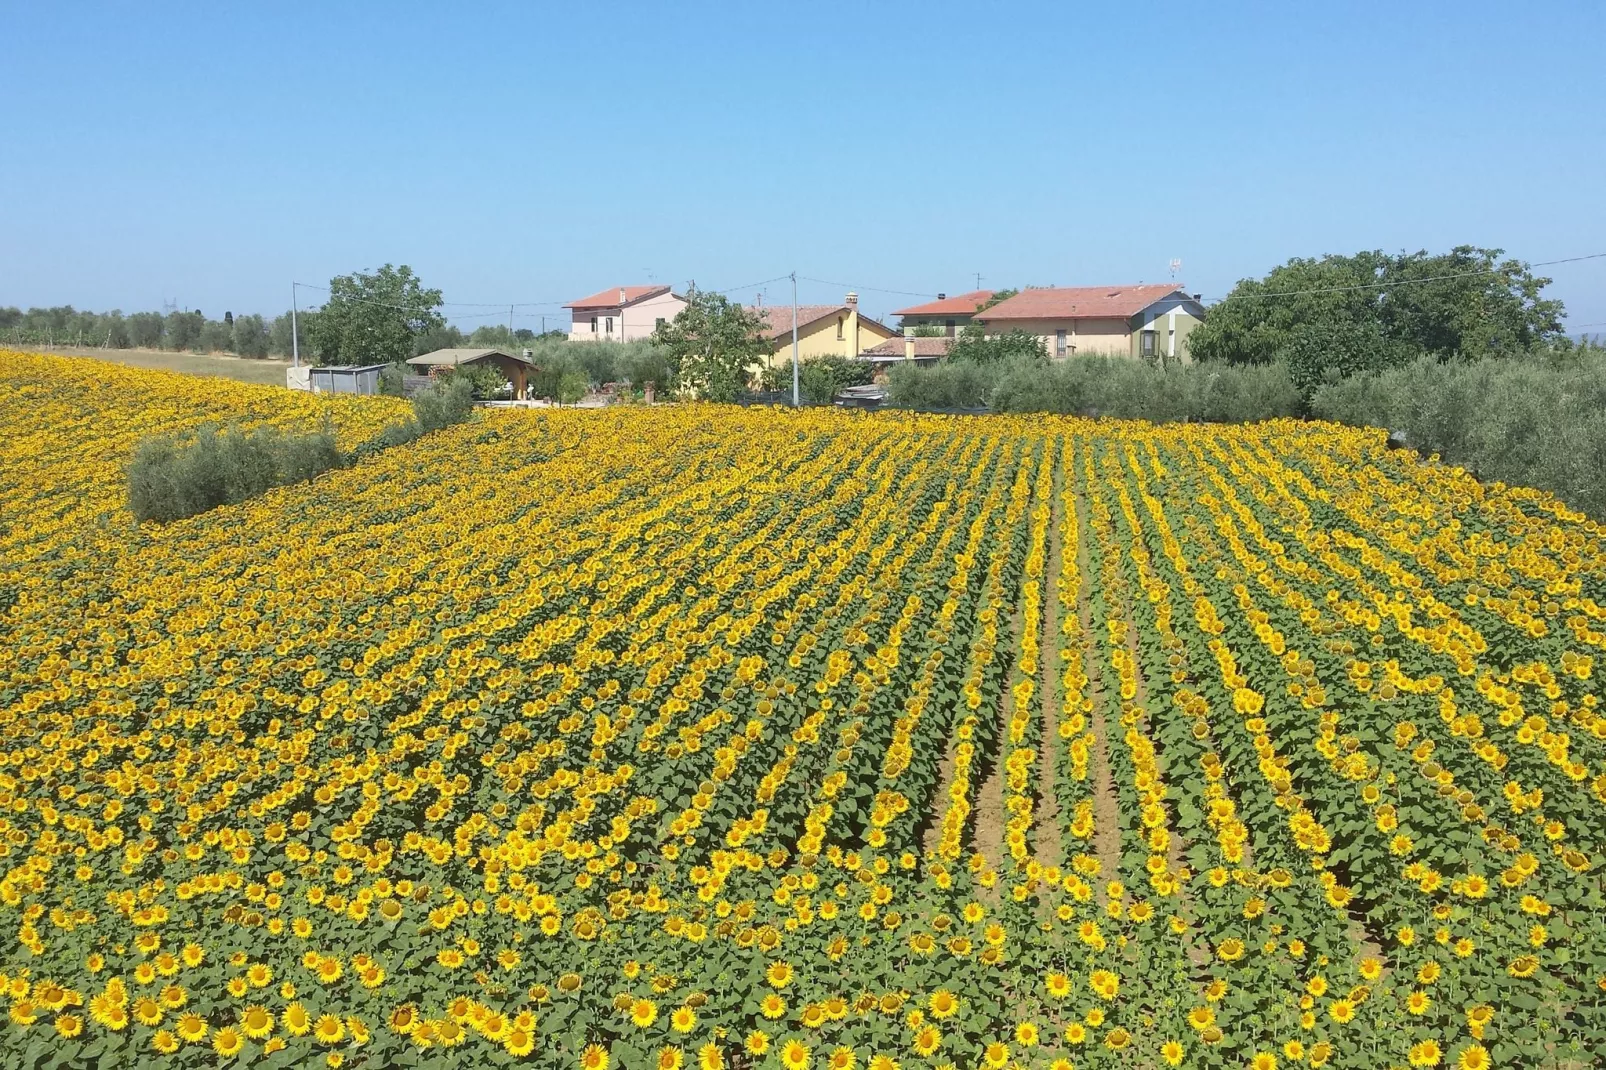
822,330
1151,322
622,313
337,379
515,369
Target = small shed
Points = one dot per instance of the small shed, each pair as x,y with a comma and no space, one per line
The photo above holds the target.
337,379
516,369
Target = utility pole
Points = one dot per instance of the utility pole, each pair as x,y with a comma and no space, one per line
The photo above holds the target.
295,332
509,324
794,341
978,280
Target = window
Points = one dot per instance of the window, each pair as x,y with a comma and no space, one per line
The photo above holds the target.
593,325
658,323
1148,343
951,329
610,325
1059,342
839,328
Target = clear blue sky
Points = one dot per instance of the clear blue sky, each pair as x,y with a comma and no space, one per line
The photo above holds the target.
214,152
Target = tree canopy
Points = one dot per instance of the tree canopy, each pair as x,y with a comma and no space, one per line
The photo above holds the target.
974,345
373,318
711,343
1342,314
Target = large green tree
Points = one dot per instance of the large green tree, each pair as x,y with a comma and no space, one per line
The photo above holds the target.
373,317
711,344
1336,315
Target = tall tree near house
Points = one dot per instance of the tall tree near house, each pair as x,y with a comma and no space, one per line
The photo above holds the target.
374,317
1337,315
712,344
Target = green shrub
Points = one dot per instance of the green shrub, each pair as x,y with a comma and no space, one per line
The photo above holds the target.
816,383
1100,386
572,386
169,479
1539,422
948,384
443,404
393,380
485,382
819,378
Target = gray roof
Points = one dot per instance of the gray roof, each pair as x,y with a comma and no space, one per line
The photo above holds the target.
454,357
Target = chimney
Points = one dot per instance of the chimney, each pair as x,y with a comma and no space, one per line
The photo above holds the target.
1198,297
850,337
942,297
621,297
909,348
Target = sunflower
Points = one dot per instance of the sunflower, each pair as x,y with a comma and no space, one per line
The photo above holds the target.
330,1030
256,1022
795,1055
69,1025
1026,1034
147,1011
943,1003
1341,1011
192,1028
927,1041
595,1057
1263,1060
710,1058
1172,1052
643,1012
228,1041
996,1055
1426,1053
757,1042
296,1019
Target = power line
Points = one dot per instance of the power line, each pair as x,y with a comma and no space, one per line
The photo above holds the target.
444,304
1409,282
750,285
873,289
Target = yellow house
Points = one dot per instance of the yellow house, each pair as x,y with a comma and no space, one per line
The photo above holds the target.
822,331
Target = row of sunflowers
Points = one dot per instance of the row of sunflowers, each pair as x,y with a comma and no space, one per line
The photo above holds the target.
697,736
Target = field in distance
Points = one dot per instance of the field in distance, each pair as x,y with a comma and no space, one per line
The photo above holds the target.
718,737
246,370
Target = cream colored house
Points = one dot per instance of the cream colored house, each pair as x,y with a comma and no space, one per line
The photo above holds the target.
1148,322
822,330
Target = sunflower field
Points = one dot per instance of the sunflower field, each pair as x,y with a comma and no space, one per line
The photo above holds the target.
706,737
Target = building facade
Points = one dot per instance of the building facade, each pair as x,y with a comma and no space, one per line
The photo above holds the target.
822,330
1145,322
622,313
950,315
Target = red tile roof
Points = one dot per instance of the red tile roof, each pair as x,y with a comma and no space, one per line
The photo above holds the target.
894,347
779,317
609,298
961,305
1079,302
